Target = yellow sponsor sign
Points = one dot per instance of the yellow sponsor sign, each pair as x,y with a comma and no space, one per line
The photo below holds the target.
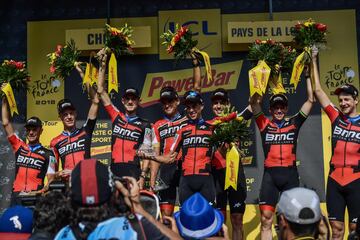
225,75
204,24
94,38
247,32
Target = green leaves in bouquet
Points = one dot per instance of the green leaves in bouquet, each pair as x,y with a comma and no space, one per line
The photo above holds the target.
63,60
179,42
119,40
15,73
230,131
310,33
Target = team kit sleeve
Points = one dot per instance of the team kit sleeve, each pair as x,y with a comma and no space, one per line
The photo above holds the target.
176,146
15,142
332,112
112,111
299,118
246,114
261,121
89,126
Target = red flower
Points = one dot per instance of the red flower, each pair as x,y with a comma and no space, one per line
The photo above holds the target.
177,38
58,48
52,69
170,49
183,30
19,65
321,27
271,42
298,26
114,33
228,117
258,41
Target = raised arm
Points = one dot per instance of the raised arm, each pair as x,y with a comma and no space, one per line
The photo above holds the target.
319,92
104,96
306,107
5,117
196,72
255,103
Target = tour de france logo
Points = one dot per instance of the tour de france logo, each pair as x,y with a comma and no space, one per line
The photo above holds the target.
338,76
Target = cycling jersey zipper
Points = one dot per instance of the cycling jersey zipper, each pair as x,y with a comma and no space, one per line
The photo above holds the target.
280,151
195,152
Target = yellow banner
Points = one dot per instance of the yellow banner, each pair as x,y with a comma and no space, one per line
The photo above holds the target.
93,38
204,24
232,168
225,75
207,63
258,78
276,85
248,32
87,75
112,74
297,69
7,89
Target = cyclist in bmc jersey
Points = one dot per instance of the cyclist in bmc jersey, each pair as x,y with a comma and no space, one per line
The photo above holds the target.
344,178
196,152
33,161
236,198
279,138
74,144
129,131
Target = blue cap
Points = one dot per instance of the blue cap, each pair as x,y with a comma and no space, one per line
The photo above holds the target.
197,218
17,219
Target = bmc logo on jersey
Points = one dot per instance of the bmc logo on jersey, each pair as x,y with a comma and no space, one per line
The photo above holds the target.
275,137
29,161
196,140
72,146
126,132
340,132
171,130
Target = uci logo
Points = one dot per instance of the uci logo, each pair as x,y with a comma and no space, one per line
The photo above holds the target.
204,27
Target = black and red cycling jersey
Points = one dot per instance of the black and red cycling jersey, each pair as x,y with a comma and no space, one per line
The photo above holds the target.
32,164
279,141
164,131
193,141
345,143
128,134
71,148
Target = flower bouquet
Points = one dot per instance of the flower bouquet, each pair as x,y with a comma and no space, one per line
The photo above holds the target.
64,59
307,35
228,128
269,59
119,40
15,74
180,42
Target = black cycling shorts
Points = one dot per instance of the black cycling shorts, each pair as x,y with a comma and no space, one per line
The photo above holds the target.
236,198
197,183
339,197
126,169
170,175
275,181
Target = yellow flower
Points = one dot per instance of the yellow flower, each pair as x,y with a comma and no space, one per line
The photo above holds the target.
172,43
216,122
240,119
263,41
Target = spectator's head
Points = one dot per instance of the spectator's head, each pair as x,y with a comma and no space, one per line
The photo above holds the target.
91,187
34,129
67,113
198,219
219,100
170,100
16,223
348,98
150,203
278,106
131,100
52,212
194,104
298,213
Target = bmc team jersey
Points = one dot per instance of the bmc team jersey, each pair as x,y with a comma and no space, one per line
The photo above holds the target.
345,160
164,131
193,140
128,133
279,142
71,148
32,165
